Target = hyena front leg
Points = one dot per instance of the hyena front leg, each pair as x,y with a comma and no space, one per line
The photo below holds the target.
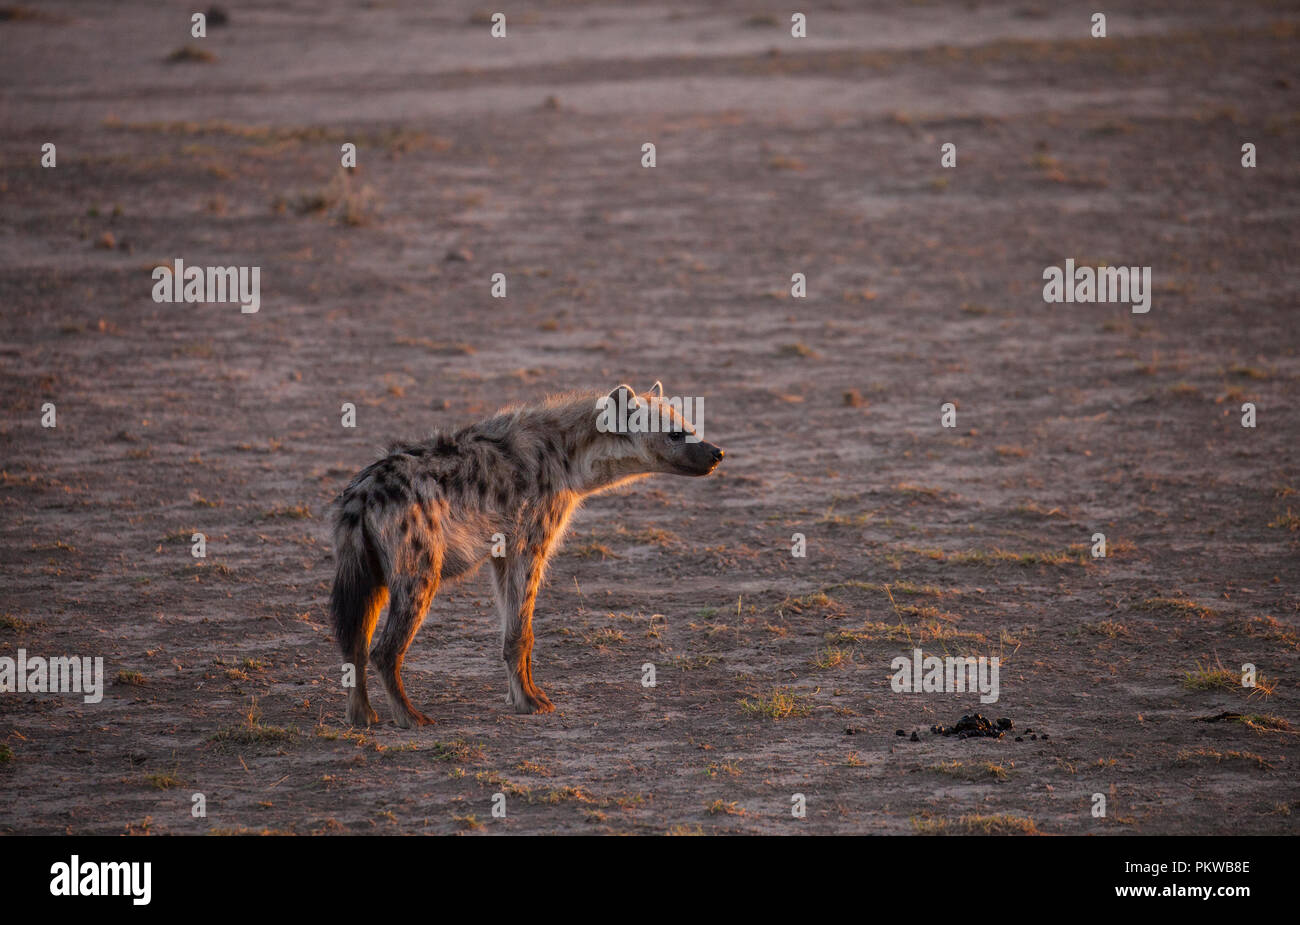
409,598
516,580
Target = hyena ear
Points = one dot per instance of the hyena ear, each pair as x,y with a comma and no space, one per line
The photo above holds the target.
656,390
625,395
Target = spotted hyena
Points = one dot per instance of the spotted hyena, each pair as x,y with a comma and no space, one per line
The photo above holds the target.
432,511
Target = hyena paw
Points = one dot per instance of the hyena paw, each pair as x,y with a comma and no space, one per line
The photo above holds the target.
534,703
361,716
412,719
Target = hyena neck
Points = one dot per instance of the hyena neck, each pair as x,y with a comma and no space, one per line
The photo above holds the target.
596,461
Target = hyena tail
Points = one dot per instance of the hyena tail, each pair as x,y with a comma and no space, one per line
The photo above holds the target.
358,595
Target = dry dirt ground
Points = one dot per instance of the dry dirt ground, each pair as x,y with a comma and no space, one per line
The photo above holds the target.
775,155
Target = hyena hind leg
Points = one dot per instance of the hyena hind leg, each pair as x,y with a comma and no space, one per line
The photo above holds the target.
359,712
409,600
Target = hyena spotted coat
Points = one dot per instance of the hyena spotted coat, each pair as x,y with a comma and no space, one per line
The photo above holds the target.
427,513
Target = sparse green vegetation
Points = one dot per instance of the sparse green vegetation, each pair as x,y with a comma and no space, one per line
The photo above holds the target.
1264,722
294,512
775,704
832,657
975,770
1198,755
1108,628
162,780
455,750
1211,677
1177,606
252,731
998,824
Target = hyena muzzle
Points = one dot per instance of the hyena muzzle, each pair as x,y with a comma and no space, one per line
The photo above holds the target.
433,511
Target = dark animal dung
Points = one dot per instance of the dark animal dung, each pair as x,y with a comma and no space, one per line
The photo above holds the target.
977,726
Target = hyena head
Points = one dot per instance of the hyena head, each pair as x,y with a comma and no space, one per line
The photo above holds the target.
653,435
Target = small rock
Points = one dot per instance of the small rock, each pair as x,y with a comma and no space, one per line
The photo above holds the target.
106,241
915,737
460,254
899,732
1020,738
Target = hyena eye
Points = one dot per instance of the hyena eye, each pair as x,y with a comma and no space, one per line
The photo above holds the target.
677,436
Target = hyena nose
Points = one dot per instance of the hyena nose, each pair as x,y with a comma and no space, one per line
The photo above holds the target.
718,453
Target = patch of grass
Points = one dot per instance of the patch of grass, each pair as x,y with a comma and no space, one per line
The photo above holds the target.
1211,678
845,520
1288,521
652,536
1176,606
456,750
1107,628
1217,677
129,677
997,824
1263,722
15,624
1267,628
592,550
871,631
919,491
775,704
819,600
467,823
605,636
6,753
998,556
296,512
1198,755
694,662
718,807
977,770
188,54
252,731
162,780
832,657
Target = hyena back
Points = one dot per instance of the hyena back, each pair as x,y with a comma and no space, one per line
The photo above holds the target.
427,513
